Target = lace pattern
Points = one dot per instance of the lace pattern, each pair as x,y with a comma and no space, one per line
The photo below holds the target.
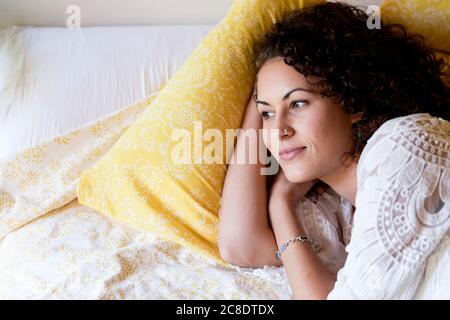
403,208
327,220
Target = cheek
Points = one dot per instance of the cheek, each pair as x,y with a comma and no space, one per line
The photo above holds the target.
333,145
270,138
326,133
321,148
265,138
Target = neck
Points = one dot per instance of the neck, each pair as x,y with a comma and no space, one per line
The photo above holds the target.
343,181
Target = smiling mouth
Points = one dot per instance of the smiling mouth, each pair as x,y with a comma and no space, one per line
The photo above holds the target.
286,156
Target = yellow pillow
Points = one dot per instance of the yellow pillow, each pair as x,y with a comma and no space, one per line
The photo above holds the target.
137,182
429,18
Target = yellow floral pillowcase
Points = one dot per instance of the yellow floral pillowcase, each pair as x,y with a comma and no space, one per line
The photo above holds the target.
137,181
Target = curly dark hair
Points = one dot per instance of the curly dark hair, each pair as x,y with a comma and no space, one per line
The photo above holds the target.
380,73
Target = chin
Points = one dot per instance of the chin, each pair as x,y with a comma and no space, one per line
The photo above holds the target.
296,176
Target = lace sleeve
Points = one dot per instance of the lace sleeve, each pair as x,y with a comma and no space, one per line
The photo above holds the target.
402,209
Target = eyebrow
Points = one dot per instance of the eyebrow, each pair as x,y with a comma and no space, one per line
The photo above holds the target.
284,97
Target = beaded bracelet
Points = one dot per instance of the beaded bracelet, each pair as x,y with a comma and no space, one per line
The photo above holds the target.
286,244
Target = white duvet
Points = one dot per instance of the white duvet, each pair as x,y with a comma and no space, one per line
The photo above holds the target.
76,253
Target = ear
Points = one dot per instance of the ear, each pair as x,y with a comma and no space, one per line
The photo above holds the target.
356,117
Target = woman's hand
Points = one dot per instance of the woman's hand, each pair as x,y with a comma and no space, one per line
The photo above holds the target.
284,191
308,278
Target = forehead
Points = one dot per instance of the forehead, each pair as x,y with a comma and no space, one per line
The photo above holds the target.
276,74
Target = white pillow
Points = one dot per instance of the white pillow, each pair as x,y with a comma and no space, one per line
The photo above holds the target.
53,80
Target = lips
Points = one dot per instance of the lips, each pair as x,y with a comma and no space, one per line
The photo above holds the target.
290,153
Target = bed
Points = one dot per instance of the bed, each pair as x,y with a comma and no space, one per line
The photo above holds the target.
58,85
73,93
71,251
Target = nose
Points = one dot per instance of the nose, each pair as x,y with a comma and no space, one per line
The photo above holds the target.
285,130
285,133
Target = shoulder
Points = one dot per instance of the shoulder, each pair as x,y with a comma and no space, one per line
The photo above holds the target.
399,141
403,190
402,208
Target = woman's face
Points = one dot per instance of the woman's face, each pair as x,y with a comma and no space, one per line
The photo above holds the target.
316,124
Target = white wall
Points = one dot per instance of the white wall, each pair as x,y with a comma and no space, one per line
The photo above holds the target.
119,12
113,12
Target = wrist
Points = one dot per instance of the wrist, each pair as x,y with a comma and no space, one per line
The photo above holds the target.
284,221
282,202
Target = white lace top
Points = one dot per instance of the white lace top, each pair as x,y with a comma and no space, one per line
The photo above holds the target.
327,219
400,241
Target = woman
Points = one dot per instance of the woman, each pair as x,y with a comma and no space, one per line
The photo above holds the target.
349,102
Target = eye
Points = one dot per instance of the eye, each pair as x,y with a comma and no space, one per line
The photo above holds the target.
298,104
266,114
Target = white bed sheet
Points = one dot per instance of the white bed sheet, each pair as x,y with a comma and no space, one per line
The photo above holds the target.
53,80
